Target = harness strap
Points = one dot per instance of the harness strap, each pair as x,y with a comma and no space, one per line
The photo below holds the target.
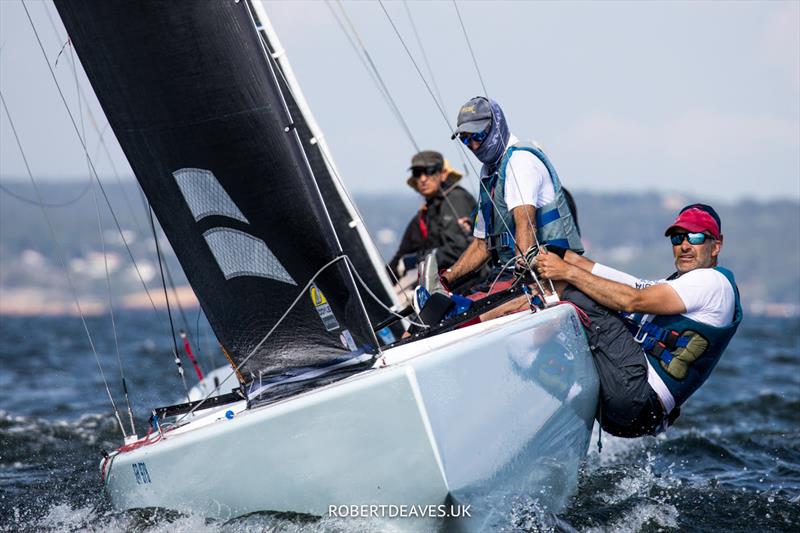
657,341
500,240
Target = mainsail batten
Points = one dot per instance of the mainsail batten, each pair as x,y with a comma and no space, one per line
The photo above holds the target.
197,112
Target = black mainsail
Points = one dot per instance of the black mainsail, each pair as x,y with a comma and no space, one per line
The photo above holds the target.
347,222
198,111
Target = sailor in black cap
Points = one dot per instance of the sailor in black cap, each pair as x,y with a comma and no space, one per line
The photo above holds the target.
443,224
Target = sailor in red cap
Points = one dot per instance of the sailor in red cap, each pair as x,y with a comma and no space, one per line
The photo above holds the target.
654,342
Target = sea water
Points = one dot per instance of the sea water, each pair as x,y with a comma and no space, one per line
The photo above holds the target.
732,461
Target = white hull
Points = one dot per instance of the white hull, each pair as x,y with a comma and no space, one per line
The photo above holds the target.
480,414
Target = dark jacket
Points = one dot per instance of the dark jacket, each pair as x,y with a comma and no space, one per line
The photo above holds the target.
436,226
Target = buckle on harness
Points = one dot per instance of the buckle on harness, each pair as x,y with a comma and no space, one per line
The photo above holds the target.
641,335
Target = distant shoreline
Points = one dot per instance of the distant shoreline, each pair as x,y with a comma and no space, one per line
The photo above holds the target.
35,301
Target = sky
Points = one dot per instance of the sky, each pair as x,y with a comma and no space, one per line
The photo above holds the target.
675,97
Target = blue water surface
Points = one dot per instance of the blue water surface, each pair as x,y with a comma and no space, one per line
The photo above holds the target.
731,462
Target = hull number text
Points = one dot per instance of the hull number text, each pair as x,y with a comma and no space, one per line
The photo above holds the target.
140,471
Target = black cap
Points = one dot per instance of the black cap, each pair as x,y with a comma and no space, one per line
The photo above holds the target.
474,116
427,158
431,158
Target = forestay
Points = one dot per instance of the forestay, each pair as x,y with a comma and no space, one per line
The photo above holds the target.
197,109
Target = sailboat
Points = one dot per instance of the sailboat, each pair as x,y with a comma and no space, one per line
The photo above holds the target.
328,410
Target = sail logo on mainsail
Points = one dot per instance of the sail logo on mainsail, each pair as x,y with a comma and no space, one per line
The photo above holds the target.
237,252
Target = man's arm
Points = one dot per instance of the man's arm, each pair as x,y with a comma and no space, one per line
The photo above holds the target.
525,224
658,299
473,257
578,260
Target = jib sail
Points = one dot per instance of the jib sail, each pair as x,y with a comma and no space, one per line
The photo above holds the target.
198,111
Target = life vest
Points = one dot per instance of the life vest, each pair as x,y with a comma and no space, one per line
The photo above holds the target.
554,221
684,351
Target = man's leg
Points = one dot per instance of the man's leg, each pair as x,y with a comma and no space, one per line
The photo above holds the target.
626,399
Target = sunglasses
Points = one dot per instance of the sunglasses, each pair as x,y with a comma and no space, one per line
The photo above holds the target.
426,171
478,136
694,238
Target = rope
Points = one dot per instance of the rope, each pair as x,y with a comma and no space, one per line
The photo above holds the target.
62,261
532,227
424,55
100,132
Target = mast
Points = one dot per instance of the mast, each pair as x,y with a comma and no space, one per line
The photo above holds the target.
279,55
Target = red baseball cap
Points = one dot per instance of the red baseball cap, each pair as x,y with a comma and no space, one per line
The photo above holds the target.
697,220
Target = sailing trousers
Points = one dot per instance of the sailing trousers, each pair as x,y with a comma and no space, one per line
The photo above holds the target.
629,407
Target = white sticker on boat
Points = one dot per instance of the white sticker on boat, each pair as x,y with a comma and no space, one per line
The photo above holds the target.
323,308
241,254
205,196
347,340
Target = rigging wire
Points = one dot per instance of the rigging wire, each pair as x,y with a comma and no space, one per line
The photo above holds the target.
300,294
89,159
275,326
430,91
379,78
461,153
424,55
62,260
105,254
86,151
292,130
354,46
175,351
380,303
471,51
335,174
100,132
531,225
481,185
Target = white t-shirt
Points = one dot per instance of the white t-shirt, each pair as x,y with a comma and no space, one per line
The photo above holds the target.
527,183
707,296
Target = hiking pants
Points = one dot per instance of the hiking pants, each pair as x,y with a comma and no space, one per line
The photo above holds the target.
629,407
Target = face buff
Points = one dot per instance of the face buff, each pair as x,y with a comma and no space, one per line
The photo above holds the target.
492,149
